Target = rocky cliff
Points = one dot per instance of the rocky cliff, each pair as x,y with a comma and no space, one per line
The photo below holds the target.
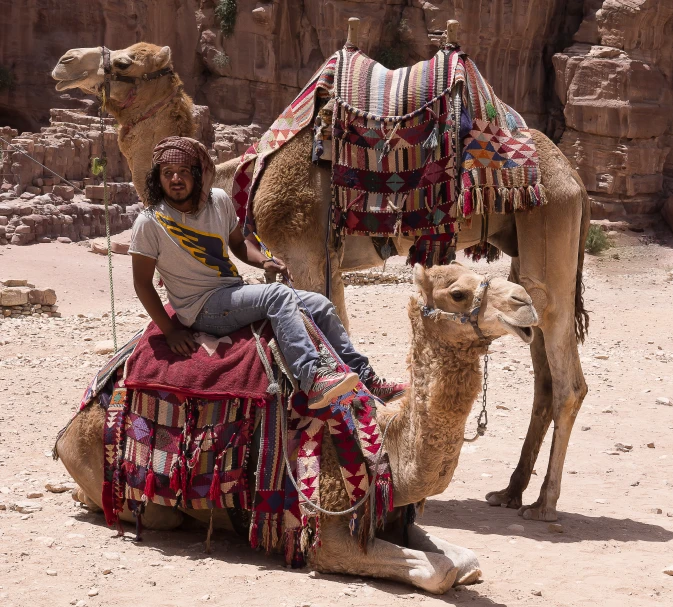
593,74
615,82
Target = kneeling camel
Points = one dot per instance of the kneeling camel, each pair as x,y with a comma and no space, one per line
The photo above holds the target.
423,441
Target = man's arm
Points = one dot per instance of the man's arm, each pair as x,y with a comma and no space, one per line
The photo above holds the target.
180,340
248,252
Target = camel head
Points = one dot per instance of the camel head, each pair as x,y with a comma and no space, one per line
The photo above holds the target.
82,68
450,291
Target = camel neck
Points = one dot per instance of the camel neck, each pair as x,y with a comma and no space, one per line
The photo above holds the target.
428,434
148,96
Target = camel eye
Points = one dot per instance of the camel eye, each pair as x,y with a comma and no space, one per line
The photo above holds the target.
122,65
457,295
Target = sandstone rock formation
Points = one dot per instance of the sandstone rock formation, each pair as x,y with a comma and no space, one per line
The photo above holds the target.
615,82
614,76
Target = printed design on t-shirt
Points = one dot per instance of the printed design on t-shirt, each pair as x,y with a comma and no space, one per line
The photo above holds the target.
207,248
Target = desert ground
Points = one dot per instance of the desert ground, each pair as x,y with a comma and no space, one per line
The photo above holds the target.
616,506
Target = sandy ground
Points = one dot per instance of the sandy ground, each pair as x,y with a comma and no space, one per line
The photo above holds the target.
616,508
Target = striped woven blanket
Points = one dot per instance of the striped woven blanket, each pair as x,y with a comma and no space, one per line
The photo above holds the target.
414,150
180,447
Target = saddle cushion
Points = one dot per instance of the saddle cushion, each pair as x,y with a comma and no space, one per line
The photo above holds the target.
219,369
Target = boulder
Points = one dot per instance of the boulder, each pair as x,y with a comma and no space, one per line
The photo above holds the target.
45,297
14,296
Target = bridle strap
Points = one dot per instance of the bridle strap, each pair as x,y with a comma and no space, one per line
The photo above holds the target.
462,318
110,76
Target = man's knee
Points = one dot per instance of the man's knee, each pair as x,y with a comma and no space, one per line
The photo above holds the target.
317,303
278,292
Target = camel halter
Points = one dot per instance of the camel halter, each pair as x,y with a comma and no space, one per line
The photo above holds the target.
473,318
109,75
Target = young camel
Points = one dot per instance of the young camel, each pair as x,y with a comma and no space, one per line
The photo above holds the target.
423,441
291,209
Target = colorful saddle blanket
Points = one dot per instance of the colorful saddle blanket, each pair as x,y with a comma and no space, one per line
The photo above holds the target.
414,150
178,433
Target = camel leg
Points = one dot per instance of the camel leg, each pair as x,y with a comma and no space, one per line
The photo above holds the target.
339,553
569,390
550,246
81,451
541,417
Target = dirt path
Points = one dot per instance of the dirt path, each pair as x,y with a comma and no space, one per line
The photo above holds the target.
616,507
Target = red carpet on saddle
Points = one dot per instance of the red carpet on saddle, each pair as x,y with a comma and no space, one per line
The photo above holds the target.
234,369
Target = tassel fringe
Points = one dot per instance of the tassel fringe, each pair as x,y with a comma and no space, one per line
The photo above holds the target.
215,491
150,481
499,199
433,139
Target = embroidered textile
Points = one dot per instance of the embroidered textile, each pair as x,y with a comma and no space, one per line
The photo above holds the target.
107,372
170,447
396,136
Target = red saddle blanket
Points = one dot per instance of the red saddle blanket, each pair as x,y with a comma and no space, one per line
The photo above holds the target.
178,432
220,368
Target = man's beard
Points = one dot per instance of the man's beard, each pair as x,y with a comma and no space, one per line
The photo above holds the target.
179,198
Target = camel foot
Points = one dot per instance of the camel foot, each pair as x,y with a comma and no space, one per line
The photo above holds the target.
471,577
435,575
78,495
506,497
535,512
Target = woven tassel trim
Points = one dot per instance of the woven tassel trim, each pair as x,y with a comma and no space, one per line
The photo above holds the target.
483,250
266,531
491,199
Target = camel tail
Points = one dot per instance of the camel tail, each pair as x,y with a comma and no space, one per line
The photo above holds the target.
581,314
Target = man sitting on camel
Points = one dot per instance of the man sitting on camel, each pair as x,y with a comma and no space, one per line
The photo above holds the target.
186,233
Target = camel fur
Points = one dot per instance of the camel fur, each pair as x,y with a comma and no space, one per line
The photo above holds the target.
423,441
546,244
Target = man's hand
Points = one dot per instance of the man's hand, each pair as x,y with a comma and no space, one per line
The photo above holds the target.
181,341
278,266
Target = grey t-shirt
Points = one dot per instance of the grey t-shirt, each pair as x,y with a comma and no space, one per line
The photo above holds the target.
192,251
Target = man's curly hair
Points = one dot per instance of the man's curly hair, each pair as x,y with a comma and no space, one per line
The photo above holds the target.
154,193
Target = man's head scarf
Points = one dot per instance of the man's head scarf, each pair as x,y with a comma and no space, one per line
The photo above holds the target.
184,150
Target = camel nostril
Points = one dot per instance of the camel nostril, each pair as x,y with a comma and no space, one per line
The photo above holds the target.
522,300
65,60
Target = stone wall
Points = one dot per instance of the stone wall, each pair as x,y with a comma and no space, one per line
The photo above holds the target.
19,298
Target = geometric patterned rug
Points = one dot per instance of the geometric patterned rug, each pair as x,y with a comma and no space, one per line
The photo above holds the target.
414,150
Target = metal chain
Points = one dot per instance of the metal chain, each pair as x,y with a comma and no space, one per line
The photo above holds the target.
483,415
107,227
482,420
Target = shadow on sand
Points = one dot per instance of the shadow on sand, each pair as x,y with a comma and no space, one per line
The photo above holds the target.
187,542
479,517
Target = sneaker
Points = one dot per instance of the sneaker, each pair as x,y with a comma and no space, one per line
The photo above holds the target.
387,391
329,384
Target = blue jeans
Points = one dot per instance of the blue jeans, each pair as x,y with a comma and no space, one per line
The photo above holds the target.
231,308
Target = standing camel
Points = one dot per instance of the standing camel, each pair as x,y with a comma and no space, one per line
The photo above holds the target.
291,205
445,379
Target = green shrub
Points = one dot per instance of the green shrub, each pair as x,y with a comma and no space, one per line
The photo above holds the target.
597,241
226,12
6,79
221,60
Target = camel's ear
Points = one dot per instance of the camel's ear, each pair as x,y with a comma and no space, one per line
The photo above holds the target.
423,282
163,57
